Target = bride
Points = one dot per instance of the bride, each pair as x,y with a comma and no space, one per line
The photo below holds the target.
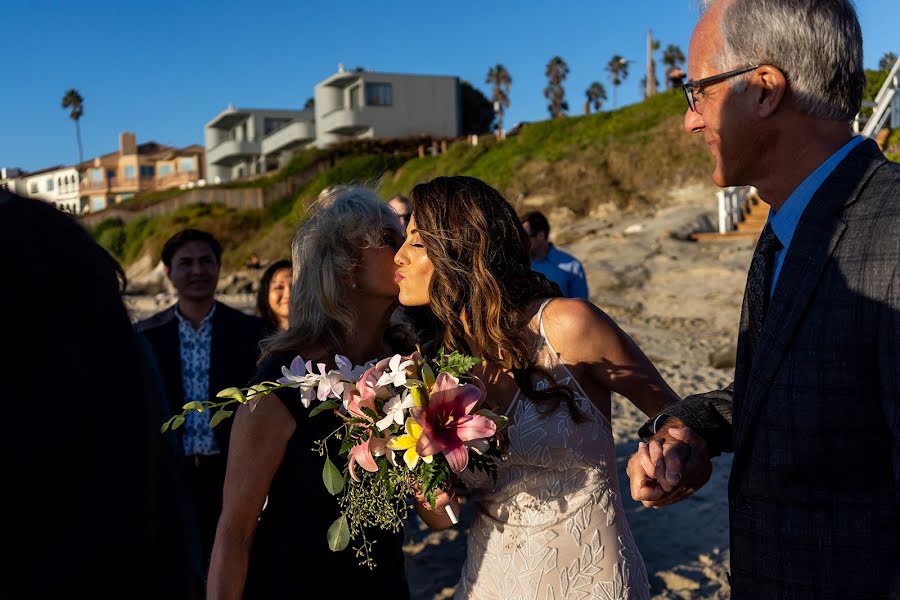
552,526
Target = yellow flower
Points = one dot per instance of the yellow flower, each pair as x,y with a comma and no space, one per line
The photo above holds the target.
408,442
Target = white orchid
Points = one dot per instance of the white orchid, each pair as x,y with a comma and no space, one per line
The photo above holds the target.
331,384
348,371
394,411
395,374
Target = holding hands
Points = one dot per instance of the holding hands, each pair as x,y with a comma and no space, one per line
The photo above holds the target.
670,467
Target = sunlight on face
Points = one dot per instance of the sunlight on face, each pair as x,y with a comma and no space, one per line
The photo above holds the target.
414,269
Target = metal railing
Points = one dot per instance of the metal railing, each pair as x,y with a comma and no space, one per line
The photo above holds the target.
887,104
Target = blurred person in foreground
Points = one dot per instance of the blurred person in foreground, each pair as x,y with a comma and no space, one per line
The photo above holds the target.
203,346
813,414
559,267
89,507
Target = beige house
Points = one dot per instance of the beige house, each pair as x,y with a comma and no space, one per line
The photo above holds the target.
349,105
117,176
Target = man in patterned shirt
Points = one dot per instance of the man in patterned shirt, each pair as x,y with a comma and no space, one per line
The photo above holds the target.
203,346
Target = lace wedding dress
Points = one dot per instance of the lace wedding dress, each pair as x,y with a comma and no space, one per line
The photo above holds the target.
552,527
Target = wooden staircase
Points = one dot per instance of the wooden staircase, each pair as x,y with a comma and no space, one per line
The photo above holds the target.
755,215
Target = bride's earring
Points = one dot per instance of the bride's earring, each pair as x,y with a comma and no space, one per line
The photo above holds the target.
353,284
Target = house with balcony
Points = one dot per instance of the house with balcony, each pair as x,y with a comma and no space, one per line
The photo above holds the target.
241,142
117,176
364,104
57,185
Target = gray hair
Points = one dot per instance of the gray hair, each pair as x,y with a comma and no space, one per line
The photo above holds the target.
817,44
325,251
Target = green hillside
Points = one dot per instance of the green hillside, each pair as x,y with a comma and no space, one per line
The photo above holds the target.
625,156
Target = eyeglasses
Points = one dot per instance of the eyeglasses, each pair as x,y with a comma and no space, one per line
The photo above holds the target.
690,86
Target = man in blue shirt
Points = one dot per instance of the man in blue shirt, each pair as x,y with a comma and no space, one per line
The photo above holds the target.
556,265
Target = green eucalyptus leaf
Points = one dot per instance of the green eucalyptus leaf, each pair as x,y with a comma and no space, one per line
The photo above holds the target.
338,534
327,405
219,416
195,405
165,426
177,422
334,481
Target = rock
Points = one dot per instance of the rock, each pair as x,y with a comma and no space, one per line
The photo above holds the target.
723,357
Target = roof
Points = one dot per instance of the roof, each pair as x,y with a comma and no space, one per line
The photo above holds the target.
42,171
152,150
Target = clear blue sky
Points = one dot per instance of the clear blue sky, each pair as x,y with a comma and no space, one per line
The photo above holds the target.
162,69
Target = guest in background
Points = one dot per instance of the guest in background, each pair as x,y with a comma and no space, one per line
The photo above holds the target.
342,300
88,508
556,265
202,346
401,206
273,297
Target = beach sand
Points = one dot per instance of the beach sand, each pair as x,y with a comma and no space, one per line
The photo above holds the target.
680,301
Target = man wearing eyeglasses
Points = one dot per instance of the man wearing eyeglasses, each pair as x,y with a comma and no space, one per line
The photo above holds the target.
813,414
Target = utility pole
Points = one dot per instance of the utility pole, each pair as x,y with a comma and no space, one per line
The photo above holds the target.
650,88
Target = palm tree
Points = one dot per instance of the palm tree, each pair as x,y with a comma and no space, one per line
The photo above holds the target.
887,61
500,79
649,86
617,67
73,100
672,58
557,71
596,95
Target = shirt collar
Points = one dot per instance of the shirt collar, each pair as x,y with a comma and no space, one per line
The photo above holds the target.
183,320
784,222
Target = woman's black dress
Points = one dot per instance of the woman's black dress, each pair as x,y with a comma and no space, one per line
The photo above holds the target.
290,557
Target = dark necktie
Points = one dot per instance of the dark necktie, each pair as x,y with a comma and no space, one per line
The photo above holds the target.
758,281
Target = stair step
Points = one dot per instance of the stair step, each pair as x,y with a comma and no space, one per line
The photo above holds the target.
723,237
750,227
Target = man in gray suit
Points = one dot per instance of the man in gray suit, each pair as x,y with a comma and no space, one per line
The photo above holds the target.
813,414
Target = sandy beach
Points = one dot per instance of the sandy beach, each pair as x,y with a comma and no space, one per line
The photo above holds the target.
680,300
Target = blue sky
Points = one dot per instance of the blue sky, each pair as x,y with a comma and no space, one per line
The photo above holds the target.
162,69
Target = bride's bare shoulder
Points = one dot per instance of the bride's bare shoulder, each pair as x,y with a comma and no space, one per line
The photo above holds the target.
574,325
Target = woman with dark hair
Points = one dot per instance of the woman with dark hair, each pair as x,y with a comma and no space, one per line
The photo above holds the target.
552,525
342,300
90,508
273,297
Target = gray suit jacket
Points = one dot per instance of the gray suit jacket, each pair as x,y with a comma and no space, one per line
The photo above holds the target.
814,422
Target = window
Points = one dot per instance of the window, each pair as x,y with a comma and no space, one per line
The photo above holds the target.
187,165
110,173
271,124
148,171
96,175
34,187
379,94
165,169
98,203
129,172
50,184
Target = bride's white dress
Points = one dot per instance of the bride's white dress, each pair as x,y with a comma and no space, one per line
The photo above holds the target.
552,527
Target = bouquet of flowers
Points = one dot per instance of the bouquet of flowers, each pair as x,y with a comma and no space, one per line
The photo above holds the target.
404,425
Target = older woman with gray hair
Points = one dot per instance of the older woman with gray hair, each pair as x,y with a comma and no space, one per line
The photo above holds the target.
342,299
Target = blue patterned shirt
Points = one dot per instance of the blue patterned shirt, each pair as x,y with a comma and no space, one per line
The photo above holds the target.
195,346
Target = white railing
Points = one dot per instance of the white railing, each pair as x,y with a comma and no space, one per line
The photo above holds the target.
731,204
887,104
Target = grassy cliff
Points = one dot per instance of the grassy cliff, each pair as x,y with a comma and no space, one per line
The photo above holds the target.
628,157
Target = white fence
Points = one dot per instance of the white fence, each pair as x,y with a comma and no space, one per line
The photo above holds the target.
731,203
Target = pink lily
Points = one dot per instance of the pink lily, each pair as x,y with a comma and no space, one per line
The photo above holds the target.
362,454
447,424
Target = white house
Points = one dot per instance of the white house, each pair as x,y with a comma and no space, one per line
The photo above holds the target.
57,185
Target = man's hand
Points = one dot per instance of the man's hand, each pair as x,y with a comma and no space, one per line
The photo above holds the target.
670,467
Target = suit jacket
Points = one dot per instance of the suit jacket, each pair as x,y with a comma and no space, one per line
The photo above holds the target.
813,418
233,356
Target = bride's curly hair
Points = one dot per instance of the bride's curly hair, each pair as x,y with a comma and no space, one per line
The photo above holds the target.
482,272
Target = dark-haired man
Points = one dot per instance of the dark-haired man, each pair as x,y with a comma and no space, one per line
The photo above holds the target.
203,346
557,266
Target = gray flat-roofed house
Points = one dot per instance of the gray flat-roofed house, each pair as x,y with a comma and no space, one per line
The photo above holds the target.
251,141
366,104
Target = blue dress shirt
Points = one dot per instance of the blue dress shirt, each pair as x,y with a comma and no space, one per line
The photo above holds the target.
784,222
196,348
563,269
